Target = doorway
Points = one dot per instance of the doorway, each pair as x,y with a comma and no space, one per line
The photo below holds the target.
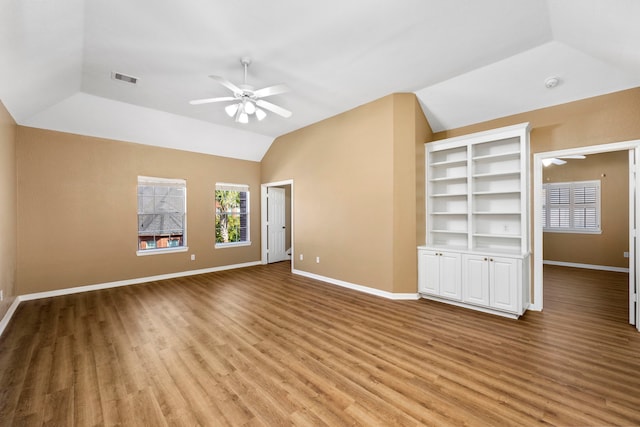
277,221
633,148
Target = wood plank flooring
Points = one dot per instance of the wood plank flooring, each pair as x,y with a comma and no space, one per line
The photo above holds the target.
260,346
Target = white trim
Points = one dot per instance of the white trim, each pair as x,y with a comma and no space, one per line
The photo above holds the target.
474,307
231,245
587,266
168,250
108,285
162,181
537,204
360,288
8,315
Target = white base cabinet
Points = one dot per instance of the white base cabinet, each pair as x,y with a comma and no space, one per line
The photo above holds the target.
440,274
490,282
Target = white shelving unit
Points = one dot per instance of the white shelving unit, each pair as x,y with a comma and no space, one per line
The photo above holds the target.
477,208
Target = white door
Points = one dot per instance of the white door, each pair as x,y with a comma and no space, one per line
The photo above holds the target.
475,279
450,276
503,283
428,272
276,225
634,242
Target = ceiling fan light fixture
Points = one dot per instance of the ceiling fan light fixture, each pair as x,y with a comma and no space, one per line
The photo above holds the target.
243,118
260,114
249,107
231,109
546,162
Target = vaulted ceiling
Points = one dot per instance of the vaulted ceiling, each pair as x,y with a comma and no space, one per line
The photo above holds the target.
466,60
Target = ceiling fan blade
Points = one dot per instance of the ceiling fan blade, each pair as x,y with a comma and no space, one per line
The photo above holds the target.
273,108
271,90
226,83
209,100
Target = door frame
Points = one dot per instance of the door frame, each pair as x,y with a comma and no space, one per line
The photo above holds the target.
537,304
263,218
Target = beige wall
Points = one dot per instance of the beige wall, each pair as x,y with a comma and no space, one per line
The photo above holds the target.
355,192
77,207
8,206
607,249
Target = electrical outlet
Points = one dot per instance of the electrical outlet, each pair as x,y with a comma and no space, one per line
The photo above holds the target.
193,257
301,257
1,294
626,254
317,260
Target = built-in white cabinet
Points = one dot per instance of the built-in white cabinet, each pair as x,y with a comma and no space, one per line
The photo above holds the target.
491,281
440,274
477,206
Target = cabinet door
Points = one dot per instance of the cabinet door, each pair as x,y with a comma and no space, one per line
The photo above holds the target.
504,283
450,276
428,272
475,279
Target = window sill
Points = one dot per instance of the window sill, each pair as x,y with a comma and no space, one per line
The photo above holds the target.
571,231
162,251
231,245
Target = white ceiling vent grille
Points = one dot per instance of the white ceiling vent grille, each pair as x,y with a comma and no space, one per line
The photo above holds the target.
124,78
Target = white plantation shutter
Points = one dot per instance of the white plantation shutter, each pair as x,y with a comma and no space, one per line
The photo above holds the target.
572,207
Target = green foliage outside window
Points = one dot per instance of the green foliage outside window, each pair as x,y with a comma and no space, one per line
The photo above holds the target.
231,216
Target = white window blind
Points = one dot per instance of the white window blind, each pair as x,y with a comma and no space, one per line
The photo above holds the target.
161,213
572,207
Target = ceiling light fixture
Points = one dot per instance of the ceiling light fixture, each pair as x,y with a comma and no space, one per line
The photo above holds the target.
249,107
231,109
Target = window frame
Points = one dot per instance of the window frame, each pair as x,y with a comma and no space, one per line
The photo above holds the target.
572,206
165,182
221,186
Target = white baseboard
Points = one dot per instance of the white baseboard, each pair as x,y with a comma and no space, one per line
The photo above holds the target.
78,289
588,266
8,315
360,288
96,287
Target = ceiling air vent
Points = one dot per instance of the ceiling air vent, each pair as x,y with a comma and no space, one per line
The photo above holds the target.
124,78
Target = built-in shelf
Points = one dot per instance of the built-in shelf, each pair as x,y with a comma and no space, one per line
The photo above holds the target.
508,155
495,213
492,193
477,199
450,195
449,178
496,174
498,236
449,163
449,213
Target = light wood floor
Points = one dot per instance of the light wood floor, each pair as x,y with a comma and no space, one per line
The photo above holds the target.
259,346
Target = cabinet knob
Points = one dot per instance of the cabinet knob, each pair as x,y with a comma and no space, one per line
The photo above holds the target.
491,259
485,259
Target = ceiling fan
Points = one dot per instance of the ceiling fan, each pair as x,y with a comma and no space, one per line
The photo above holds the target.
248,100
558,160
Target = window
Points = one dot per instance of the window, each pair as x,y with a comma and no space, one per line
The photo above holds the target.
572,207
162,211
232,215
